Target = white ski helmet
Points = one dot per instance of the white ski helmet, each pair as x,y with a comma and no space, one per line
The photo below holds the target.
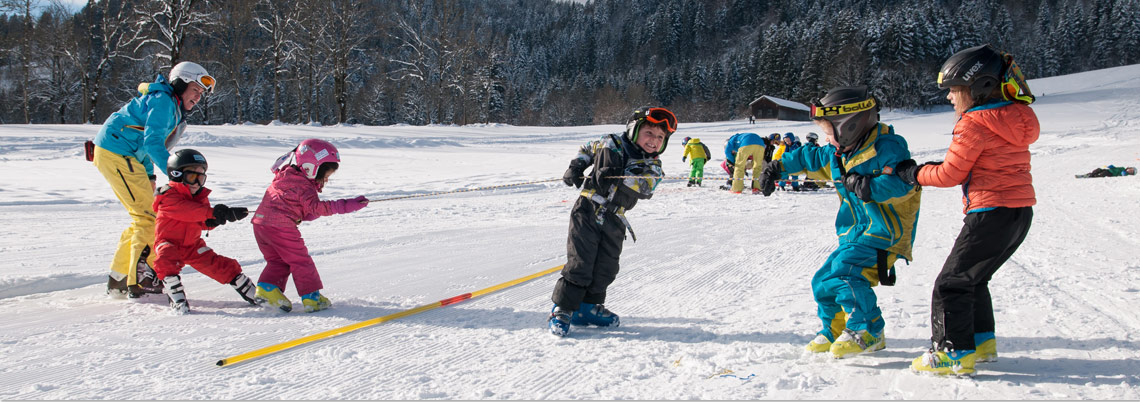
186,72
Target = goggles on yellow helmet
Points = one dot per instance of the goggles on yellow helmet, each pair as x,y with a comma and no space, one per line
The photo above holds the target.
1013,86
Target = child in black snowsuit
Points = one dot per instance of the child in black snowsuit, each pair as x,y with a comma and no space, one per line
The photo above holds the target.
597,221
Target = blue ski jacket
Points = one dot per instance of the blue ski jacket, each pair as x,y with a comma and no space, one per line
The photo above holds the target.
739,140
146,127
888,222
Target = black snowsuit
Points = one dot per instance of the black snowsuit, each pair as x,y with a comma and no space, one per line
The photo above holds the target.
961,303
597,221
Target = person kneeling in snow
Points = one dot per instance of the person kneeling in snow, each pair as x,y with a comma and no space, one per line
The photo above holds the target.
183,208
597,221
876,220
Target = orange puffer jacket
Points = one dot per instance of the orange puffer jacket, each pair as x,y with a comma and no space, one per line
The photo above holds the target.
989,157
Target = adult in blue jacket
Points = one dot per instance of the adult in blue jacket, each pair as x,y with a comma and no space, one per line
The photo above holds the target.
878,213
131,142
741,147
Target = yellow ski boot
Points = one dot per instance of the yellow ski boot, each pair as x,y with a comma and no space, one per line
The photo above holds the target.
986,348
819,345
315,302
270,295
852,343
957,363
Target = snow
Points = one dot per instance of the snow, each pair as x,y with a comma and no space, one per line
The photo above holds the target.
714,298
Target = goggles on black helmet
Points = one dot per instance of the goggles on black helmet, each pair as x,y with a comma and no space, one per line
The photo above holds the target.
851,121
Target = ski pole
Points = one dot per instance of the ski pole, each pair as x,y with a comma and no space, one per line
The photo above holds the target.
376,321
719,178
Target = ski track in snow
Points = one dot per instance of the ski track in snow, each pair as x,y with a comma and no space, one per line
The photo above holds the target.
714,296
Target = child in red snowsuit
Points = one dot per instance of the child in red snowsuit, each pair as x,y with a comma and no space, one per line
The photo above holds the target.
183,209
289,200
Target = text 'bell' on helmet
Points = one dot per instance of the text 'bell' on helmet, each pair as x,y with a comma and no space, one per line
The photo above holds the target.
186,72
852,112
979,68
312,153
657,116
181,160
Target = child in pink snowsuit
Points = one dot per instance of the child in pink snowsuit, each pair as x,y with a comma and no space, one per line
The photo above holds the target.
290,199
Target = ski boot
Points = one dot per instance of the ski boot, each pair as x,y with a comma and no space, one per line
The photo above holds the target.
116,289
314,302
245,288
270,295
820,344
594,314
559,321
986,348
146,280
177,294
955,362
852,343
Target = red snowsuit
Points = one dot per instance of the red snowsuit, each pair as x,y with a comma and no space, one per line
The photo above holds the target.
178,235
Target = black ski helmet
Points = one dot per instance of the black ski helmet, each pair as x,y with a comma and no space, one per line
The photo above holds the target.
181,160
657,116
852,112
980,68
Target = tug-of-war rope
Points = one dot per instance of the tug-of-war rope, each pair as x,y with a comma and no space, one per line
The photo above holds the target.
499,186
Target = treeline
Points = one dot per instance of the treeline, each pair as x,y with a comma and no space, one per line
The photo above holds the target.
525,62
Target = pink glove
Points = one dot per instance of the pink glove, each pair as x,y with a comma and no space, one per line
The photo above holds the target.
349,204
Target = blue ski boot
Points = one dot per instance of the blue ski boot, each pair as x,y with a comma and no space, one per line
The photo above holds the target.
594,314
559,321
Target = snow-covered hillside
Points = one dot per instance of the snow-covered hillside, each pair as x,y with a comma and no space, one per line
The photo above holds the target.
714,296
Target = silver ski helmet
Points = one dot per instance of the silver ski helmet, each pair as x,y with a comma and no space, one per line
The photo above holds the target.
186,72
852,112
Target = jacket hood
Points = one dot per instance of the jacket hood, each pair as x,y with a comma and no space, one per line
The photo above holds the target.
160,85
1013,122
694,140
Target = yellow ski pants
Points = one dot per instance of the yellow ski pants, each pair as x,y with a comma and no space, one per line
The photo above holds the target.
131,185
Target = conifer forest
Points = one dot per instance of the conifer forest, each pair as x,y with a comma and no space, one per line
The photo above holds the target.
525,62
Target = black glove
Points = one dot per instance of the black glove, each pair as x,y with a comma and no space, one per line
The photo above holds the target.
858,184
573,176
213,223
682,159
607,163
224,213
908,171
768,177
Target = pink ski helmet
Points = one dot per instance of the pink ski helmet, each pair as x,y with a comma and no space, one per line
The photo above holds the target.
312,153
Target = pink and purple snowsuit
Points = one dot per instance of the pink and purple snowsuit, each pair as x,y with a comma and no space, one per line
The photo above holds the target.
290,199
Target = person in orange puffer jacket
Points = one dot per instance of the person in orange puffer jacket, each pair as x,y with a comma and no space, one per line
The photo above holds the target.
988,156
184,211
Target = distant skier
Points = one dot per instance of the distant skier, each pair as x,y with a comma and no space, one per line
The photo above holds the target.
740,148
875,222
989,157
597,220
788,144
1109,171
299,176
131,142
698,154
183,207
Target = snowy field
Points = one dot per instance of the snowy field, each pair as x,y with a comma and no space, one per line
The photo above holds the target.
715,297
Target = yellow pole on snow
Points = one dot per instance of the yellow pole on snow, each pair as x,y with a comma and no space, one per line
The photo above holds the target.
375,321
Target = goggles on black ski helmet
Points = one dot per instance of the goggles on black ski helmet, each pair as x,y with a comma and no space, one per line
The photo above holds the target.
852,112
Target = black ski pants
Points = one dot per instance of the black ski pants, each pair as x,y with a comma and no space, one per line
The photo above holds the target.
592,253
961,304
